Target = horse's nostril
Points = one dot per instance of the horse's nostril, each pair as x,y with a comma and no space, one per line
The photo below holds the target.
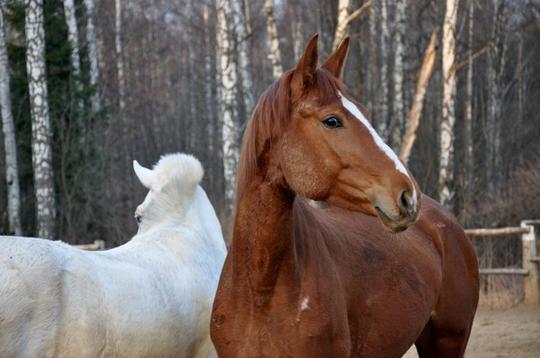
406,202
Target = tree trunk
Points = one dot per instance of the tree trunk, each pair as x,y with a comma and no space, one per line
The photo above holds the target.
446,191
383,95
297,32
91,44
119,58
274,55
397,98
41,129
10,144
469,166
341,26
242,37
495,68
372,72
413,120
228,86
73,38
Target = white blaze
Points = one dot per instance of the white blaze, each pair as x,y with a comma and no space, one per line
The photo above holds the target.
353,109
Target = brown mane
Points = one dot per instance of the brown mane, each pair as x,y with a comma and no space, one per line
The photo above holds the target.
269,120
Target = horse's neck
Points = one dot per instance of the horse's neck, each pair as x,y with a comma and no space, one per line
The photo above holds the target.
262,235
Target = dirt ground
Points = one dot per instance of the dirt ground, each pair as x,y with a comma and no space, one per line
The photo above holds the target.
512,333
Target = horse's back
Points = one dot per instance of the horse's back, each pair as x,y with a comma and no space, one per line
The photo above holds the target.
59,301
30,302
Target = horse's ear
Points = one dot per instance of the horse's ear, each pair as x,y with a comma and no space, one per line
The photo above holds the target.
145,175
334,63
304,73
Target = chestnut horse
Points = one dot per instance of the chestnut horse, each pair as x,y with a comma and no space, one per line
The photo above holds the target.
345,280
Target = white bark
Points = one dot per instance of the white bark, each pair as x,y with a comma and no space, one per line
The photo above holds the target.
446,192
341,26
41,129
10,144
399,49
274,55
238,22
228,85
413,119
371,74
383,117
208,82
91,44
73,38
496,64
119,58
297,34
469,104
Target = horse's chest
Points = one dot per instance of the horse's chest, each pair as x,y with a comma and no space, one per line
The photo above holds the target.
281,329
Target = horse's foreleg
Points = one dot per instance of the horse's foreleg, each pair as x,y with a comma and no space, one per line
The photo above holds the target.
439,342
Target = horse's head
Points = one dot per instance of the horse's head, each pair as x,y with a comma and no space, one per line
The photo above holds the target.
171,185
329,151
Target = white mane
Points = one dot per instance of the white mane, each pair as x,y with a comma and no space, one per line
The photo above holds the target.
172,183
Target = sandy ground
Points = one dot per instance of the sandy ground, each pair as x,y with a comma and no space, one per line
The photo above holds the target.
512,333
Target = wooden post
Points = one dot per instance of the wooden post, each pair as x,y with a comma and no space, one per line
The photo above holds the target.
531,284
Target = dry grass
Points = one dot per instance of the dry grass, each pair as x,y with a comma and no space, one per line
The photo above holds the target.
500,292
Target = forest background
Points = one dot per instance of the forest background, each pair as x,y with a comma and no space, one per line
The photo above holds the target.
86,86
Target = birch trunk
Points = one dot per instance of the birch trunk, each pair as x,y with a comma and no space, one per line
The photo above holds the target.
413,119
119,58
91,44
73,38
468,108
341,26
10,144
238,22
297,33
41,129
383,103
496,64
274,55
446,192
371,74
345,18
227,92
397,99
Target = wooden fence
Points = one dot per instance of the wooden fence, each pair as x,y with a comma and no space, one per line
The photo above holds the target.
95,246
529,251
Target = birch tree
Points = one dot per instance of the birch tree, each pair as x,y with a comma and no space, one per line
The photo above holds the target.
10,144
227,93
274,55
399,48
495,67
41,129
91,45
446,192
73,38
344,18
238,21
119,58
383,95
413,119
469,103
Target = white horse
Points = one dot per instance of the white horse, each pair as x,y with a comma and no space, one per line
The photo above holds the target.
151,297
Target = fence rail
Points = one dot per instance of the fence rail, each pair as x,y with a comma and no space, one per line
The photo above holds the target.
497,231
95,246
531,262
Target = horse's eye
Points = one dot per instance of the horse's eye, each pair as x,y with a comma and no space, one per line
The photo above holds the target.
332,122
138,218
